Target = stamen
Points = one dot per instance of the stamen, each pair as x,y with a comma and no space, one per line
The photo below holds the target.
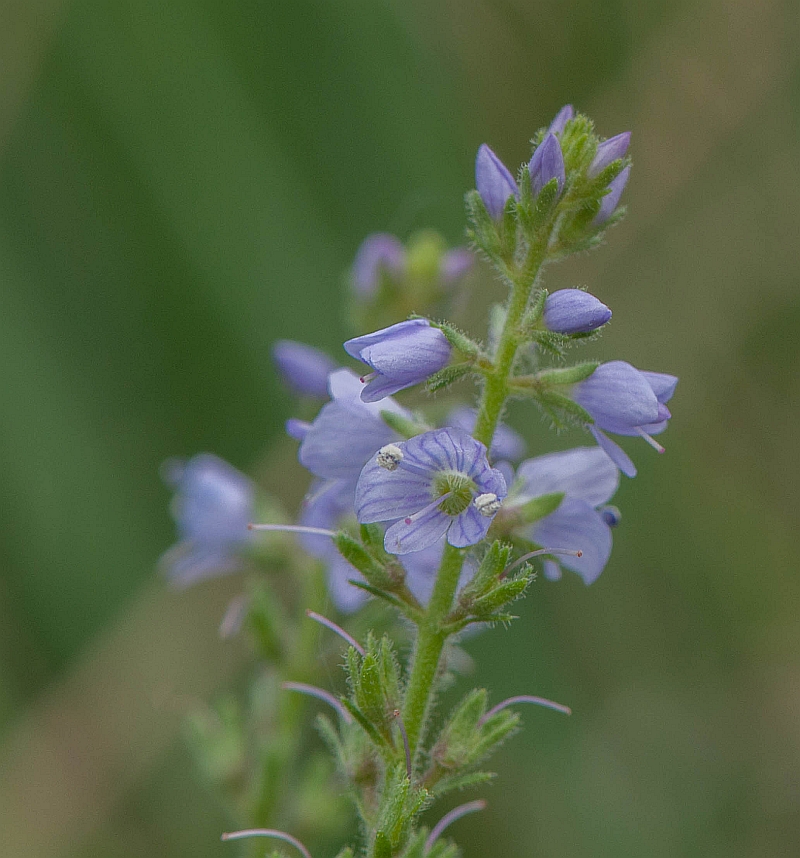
569,552
651,441
320,694
449,818
365,378
268,832
313,615
487,504
412,518
525,698
293,528
389,457
402,728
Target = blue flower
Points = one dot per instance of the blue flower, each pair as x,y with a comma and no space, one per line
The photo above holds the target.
624,401
400,356
494,182
347,431
547,163
588,479
380,254
611,200
572,311
436,483
304,368
609,151
212,507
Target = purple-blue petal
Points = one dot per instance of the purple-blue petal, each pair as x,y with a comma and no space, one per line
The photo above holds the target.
469,528
617,394
611,199
609,151
506,444
561,119
297,429
584,473
617,455
304,368
572,311
494,182
547,163
407,534
456,264
577,526
383,495
662,384
347,597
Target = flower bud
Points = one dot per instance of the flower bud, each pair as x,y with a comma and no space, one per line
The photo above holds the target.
561,119
546,164
379,253
572,311
494,182
611,199
609,151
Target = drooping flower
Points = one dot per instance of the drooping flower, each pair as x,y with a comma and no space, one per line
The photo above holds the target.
435,484
588,480
494,182
609,151
561,119
547,163
506,444
400,356
625,401
212,506
347,430
611,200
378,255
304,368
572,311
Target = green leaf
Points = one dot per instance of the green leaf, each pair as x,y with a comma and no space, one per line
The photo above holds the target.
539,507
567,374
402,425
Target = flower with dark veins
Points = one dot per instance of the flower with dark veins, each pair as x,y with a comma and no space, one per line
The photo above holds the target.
439,483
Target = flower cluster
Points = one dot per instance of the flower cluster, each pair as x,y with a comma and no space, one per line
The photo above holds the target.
424,509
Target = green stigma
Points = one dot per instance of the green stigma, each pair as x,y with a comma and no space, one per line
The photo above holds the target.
461,488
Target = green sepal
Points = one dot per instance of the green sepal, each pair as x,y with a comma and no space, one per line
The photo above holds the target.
447,376
369,695
448,784
381,594
372,537
538,507
535,312
550,341
567,374
483,229
545,203
500,596
400,805
458,339
364,723
492,565
356,555
402,425
557,406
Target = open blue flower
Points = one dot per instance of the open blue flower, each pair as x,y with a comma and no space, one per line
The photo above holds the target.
588,479
625,401
436,484
402,355
347,431
212,507
506,444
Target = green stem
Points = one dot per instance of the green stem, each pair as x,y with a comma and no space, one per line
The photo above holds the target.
428,650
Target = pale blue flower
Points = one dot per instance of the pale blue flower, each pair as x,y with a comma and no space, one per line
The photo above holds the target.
347,430
506,444
400,356
546,164
572,311
494,182
588,479
212,506
611,200
436,484
304,368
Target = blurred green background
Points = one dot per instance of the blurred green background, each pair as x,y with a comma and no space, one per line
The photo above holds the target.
183,182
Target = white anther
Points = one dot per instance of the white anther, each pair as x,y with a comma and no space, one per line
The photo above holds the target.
487,504
389,457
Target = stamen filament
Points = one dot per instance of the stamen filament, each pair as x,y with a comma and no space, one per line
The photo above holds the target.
570,552
412,518
320,694
267,832
525,698
651,441
313,615
293,528
449,818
